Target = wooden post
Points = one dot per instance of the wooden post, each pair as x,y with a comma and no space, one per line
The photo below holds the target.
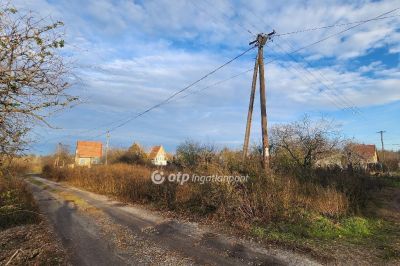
259,66
264,126
383,147
250,113
107,145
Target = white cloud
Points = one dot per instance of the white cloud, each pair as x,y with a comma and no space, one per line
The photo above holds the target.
131,55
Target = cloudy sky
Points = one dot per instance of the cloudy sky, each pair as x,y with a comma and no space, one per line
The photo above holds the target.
131,54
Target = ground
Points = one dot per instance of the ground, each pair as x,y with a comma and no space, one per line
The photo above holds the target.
96,230
101,231
26,237
32,244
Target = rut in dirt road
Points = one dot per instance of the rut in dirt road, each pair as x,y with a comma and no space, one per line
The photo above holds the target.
100,231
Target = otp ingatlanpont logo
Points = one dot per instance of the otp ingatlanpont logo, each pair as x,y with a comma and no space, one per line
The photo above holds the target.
157,177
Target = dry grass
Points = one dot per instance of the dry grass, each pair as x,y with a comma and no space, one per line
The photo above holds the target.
261,199
316,216
17,205
32,244
23,231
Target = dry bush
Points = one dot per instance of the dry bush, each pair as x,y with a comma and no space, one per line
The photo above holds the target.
357,186
391,161
280,199
17,205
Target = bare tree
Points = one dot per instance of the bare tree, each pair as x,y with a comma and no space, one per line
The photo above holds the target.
33,76
305,141
62,155
191,154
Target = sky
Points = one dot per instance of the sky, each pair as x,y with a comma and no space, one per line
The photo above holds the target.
129,55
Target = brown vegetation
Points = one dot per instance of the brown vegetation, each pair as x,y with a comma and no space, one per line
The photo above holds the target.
292,190
295,203
261,200
22,228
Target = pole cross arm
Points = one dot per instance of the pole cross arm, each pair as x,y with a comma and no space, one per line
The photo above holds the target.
262,39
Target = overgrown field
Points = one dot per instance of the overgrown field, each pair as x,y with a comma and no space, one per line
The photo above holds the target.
318,214
260,200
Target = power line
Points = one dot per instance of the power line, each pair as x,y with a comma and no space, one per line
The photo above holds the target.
191,85
331,36
308,81
334,25
292,52
342,98
216,83
180,91
343,31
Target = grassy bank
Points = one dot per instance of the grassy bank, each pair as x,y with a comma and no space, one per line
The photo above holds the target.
17,206
23,231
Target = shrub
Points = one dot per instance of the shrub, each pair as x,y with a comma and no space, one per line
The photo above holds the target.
16,203
134,154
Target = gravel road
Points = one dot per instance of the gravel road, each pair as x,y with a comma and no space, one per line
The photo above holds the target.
99,231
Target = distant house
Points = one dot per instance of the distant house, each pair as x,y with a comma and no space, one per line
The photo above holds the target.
158,156
362,155
88,153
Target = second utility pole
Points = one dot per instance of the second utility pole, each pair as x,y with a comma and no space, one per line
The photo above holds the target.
383,147
107,145
259,66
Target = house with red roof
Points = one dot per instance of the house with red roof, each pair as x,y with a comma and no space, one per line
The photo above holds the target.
363,155
158,156
88,153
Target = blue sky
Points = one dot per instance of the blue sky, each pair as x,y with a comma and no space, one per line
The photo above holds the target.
130,55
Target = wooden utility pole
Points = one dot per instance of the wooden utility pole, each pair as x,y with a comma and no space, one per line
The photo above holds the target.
107,145
383,147
250,113
58,151
259,66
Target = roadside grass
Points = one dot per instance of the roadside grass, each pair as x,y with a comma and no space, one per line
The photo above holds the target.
25,237
320,227
41,184
36,182
392,181
78,202
320,233
17,206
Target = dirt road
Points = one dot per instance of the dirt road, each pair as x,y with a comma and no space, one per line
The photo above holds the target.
98,231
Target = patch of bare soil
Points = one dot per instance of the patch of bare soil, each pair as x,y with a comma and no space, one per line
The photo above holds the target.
31,244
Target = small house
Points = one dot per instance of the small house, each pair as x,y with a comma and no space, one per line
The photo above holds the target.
158,156
363,155
88,153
